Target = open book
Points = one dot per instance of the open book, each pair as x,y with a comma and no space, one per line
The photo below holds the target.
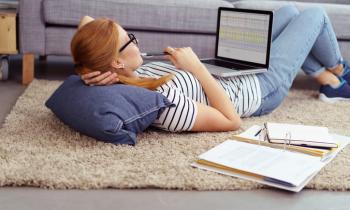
301,135
275,167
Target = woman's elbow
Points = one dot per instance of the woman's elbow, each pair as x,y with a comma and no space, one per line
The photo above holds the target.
235,124
238,123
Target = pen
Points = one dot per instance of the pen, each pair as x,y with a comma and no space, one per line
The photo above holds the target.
281,146
258,132
151,54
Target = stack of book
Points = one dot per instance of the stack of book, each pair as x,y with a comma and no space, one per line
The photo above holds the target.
285,156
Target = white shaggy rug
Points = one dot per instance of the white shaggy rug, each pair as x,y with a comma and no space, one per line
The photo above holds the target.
36,149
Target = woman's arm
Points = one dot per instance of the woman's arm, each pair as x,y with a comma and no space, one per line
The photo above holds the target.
221,116
96,78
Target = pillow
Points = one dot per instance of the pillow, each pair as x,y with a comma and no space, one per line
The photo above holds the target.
113,114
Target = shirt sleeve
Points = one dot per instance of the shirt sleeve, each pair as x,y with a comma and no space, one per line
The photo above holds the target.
180,117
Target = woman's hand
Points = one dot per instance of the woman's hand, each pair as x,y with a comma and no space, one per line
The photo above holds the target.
185,59
96,78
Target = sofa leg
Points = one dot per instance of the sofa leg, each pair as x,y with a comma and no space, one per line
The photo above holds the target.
43,58
27,68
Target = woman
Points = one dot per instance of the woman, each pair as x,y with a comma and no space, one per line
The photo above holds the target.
105,54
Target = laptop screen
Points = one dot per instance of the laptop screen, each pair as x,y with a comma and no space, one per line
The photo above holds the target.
243,36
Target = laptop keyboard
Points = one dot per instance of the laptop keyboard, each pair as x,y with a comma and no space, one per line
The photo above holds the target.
226,64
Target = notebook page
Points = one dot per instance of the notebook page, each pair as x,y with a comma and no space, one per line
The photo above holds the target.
251,132
299,132
269,162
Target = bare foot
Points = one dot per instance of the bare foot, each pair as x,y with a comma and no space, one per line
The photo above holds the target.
338,70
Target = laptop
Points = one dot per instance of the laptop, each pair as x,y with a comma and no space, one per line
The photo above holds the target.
243,41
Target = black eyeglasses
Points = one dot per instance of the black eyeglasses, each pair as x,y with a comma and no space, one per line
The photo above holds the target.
132,39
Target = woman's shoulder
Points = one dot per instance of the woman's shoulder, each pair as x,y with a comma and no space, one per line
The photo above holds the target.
155,68
159,65
162,68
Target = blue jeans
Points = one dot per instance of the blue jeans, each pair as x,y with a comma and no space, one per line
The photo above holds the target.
304,40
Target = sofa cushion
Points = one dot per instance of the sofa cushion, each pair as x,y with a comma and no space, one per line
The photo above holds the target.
326,1
58,40
338,14
196,16
113,113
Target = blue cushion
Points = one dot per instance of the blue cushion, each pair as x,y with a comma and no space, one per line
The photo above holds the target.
113,114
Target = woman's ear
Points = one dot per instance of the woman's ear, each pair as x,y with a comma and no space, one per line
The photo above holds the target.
117,65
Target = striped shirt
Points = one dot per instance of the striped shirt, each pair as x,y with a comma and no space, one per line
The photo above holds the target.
185,89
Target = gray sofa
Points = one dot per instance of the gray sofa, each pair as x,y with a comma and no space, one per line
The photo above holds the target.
47,26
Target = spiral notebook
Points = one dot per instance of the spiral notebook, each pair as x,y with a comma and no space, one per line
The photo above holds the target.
255,135
300,135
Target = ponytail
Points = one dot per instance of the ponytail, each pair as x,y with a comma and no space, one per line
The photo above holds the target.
144,82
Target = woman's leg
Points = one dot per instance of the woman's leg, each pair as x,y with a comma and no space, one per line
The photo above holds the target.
325,51
288,53
325,54
282,17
